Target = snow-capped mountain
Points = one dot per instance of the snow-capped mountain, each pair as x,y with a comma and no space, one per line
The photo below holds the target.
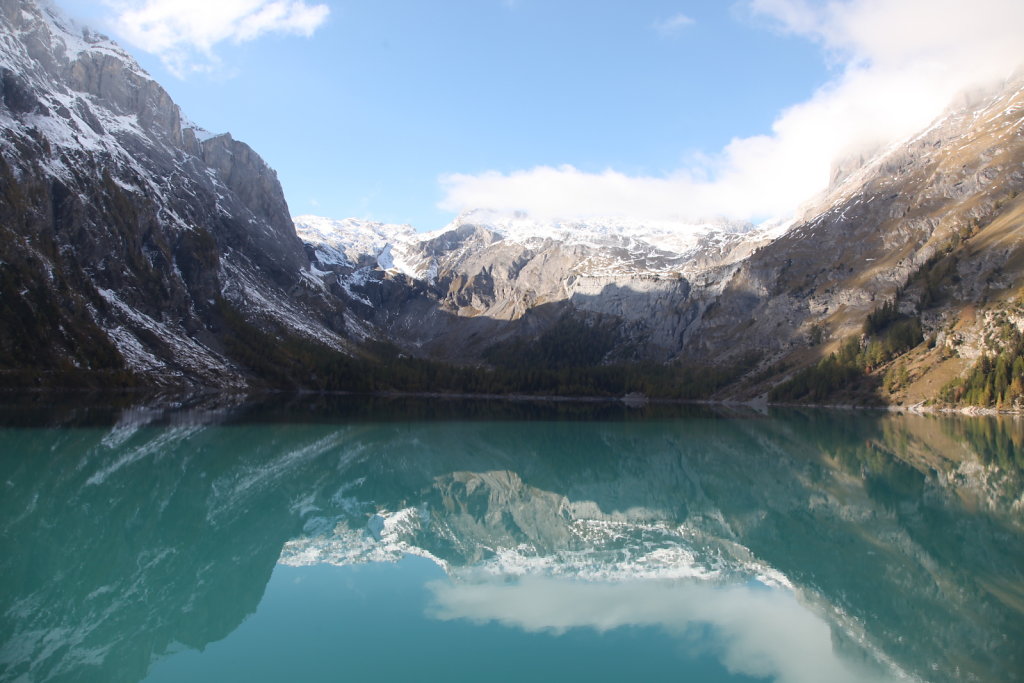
351,241
486,270
631,246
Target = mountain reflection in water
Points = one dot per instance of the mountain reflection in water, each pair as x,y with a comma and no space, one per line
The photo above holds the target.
814,545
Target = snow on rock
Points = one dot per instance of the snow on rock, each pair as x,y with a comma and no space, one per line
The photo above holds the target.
351,241
187,354
250,292
616,245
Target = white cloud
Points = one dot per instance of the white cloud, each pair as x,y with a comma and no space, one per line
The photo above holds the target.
900,63
184,33
760,633
673,24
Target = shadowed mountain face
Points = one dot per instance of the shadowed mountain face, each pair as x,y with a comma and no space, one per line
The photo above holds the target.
132,241
122,543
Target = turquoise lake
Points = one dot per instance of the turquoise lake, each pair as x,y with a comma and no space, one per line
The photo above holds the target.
348,539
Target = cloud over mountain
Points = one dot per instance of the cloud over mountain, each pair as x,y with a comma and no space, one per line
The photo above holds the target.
897,64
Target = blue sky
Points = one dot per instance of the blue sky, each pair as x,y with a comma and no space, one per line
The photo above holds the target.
409,111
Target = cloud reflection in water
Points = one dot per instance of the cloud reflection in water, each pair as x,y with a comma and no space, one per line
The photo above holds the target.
753,630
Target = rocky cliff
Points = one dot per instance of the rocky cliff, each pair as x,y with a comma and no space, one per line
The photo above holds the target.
134,244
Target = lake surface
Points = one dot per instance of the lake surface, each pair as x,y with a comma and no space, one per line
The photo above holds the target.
336,539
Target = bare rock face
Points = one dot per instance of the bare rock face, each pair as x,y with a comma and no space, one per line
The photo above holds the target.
126,91
255,193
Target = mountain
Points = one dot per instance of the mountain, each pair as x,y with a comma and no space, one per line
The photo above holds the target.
913,253
926,233
487,277
139,249
134,244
